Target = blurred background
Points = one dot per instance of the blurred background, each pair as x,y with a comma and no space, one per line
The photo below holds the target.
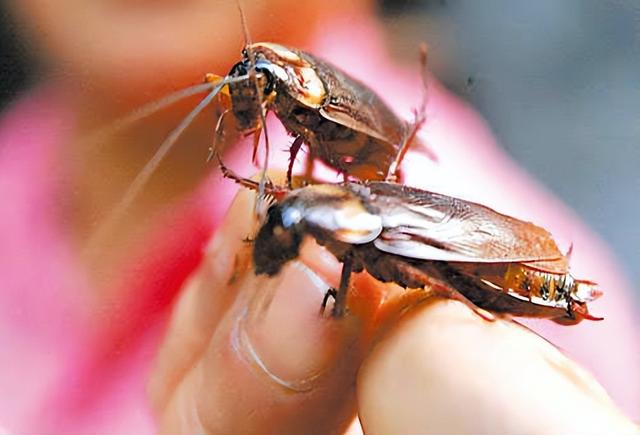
558,82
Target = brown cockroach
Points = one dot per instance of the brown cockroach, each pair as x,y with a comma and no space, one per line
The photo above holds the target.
420,239
343,122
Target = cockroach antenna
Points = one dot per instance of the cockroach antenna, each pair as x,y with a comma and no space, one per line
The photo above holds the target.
216,134
144,175
151,108
259,93
269,189
245,27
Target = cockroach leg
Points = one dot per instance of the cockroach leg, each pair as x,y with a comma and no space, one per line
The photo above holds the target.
293,152
341,295
228,173
413,128
331,293
308,167
412,131
278,192
216,134
256,142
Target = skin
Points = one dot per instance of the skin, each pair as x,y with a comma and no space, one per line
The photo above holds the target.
316,373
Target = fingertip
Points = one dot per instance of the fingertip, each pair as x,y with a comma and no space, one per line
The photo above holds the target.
444,369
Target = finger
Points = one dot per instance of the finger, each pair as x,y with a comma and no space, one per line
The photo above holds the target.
269,363
202,303
445,370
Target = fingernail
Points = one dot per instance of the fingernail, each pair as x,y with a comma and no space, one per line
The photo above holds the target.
281,333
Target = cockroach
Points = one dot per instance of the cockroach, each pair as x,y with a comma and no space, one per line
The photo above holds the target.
420,239
343,122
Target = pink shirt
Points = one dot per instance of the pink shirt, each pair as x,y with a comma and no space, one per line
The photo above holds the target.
64,370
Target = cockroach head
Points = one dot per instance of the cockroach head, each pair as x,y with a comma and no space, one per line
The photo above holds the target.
277,242
255,87
264,75
267,72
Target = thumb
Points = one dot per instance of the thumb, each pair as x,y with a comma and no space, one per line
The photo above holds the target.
251,354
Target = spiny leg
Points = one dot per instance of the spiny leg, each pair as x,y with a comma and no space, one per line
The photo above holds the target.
256,142
308,166
409,138
412,129
435,287
216,134
278,192
339,307
263,127
293,152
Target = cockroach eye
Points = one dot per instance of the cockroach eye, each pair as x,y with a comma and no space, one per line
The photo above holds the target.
270,72
239,69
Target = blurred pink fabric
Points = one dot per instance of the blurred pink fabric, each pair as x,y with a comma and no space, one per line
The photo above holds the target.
65,370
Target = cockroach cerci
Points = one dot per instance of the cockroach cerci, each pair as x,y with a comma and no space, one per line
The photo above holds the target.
420,239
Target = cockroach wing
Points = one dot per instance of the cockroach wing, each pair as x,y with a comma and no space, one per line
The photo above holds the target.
559,266
352,104
430,226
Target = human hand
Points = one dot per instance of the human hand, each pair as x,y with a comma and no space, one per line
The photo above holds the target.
235,361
